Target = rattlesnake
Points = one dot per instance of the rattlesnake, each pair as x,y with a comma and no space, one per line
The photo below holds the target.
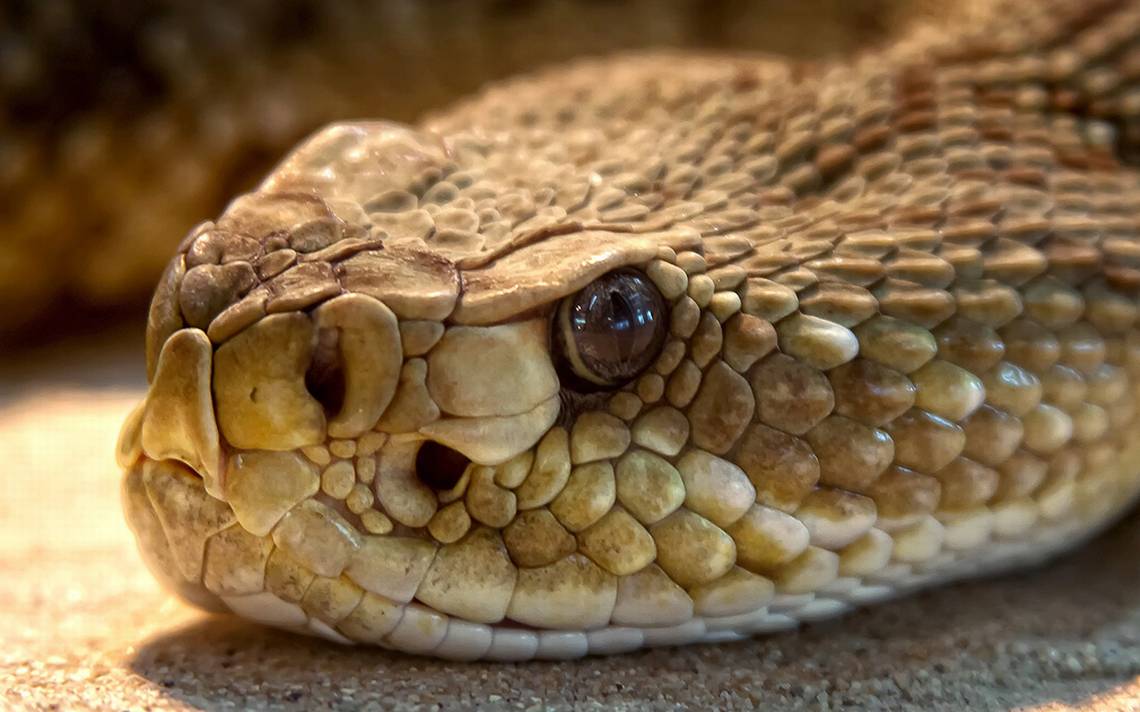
660,348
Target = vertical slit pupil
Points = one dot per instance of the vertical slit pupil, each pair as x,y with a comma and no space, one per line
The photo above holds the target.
440,467
621,327
621,314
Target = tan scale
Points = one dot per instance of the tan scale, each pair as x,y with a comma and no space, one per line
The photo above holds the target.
892,340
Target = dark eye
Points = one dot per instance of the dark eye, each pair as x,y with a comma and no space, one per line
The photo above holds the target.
610,331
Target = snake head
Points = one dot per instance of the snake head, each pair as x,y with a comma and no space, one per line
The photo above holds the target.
614,356
408,393
376,402
583,384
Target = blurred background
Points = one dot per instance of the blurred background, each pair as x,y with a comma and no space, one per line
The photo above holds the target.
125,123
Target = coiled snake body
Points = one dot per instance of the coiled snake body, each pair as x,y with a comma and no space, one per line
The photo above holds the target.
660,349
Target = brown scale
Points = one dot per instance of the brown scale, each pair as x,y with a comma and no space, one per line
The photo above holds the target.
790,395
903,496
782,467
871,393
992,435
851,455
966,484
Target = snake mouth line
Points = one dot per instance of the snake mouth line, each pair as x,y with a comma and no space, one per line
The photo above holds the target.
421,629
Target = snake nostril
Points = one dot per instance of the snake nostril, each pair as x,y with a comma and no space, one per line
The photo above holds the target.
440,467
324,378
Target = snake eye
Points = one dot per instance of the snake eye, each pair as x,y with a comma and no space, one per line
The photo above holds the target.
610,331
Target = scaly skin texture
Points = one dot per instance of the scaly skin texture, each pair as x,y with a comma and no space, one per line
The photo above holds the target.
902,348
123,124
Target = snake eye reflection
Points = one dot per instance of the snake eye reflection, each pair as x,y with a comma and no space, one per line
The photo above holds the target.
610,331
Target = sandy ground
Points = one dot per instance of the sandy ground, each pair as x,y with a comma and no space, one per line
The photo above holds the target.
82,625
